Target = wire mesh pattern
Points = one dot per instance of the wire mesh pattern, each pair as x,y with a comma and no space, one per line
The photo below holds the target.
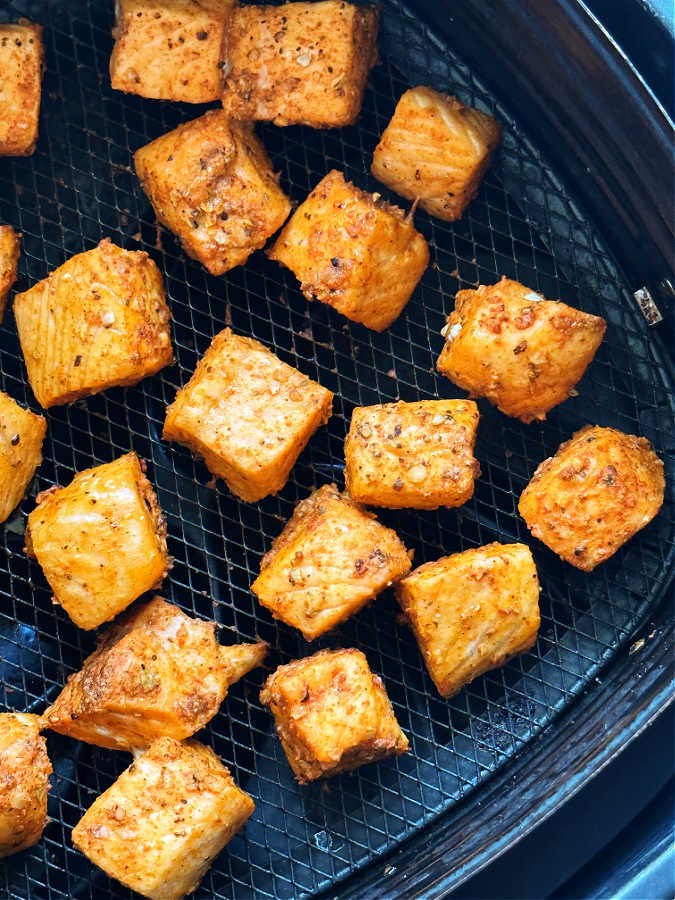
80,187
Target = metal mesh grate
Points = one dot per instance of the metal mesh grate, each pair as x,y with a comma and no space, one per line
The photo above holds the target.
80,187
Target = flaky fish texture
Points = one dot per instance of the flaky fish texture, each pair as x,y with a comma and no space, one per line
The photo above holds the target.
101,541
416,455
24,782
601,487
353,251
332,714
436,150
159,827
169,49
155,672
332,557
523,353
10,247
21,67
472,611
21,436
299,63
248,414
97,321
211,183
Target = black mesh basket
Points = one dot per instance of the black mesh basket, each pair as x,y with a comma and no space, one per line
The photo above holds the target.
525,223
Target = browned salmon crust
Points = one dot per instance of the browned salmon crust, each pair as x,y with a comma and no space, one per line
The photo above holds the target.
21,436
331,558
158,828
332,714
155,672
353,251
248,414
21,67
97,321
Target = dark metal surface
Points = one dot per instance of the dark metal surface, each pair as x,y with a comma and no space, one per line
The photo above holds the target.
80,187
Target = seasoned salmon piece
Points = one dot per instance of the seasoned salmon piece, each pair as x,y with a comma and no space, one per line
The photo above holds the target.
601,487
211,183
353,251
10,247
21,437
331,558
417,455
159,827
21,67
299,63
169,49
101,541
24,782
248,414
523,353
472,611
332,714
436,150
97,321
155,672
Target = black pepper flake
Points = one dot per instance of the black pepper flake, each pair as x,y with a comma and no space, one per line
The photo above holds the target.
578,551
15,439
78,360
335,262
202,35
223,216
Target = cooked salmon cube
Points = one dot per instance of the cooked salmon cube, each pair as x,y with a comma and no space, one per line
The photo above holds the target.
332,714
331,558
248,414
101,541
10,247
417,455
21,66
299,63
472,611
21,437
436,150
159,827
155,672
169,49
523,353
97,321
599,489
211,183
353,251
24,782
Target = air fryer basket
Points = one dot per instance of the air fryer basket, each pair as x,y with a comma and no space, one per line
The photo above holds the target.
80,187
